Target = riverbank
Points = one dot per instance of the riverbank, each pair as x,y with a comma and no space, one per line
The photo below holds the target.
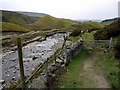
34,54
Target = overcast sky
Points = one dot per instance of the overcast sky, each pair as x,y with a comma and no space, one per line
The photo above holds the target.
72,9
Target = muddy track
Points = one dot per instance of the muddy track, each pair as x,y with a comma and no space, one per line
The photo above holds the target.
94,74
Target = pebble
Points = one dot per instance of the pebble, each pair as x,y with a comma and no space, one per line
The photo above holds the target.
18,69
33,69
2,60
13,60
2,81
26,66
4,85
13,78
14,71
8,75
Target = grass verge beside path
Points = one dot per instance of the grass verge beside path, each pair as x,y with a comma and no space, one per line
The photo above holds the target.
72,78
103,73
109,65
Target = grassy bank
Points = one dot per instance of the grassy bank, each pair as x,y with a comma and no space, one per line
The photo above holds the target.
110,68
72,78
103,64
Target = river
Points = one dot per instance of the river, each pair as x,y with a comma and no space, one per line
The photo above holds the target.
33,54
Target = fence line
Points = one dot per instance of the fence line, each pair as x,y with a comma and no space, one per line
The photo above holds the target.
40,67
68,55
56,55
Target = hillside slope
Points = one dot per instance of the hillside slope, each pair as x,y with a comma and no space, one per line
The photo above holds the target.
91,25
49,22
10,27
109,21
33,14
17,18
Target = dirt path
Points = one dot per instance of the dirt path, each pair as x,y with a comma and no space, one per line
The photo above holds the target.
84,72
94,74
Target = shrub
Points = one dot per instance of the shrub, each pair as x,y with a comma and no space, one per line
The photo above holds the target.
108,31
76,30
84,26
117,49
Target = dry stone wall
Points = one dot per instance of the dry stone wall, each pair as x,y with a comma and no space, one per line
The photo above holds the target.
52,72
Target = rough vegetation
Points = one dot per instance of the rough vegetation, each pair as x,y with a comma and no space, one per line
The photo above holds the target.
10,27
46,22
111,69
32,14
49,22
108,21
112,30
16,22
117,49
91,69
85,26
17,18
108,31
90,26
76,30
25,22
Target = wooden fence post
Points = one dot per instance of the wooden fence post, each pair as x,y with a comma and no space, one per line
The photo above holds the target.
21,62
65,49
110,45
55,56
65,38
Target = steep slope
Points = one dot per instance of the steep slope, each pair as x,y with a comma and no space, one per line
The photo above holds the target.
33,14
46,22
49,22
85,26
16,18
91,25
10,27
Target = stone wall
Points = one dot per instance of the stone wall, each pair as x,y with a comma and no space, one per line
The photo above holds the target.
52,71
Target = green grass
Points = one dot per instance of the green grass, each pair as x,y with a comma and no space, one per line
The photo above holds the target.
10,27
49,22
103,63
111,69
107,22
74,39
88,36
108,31
109,66
91,25
16,18
72,78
